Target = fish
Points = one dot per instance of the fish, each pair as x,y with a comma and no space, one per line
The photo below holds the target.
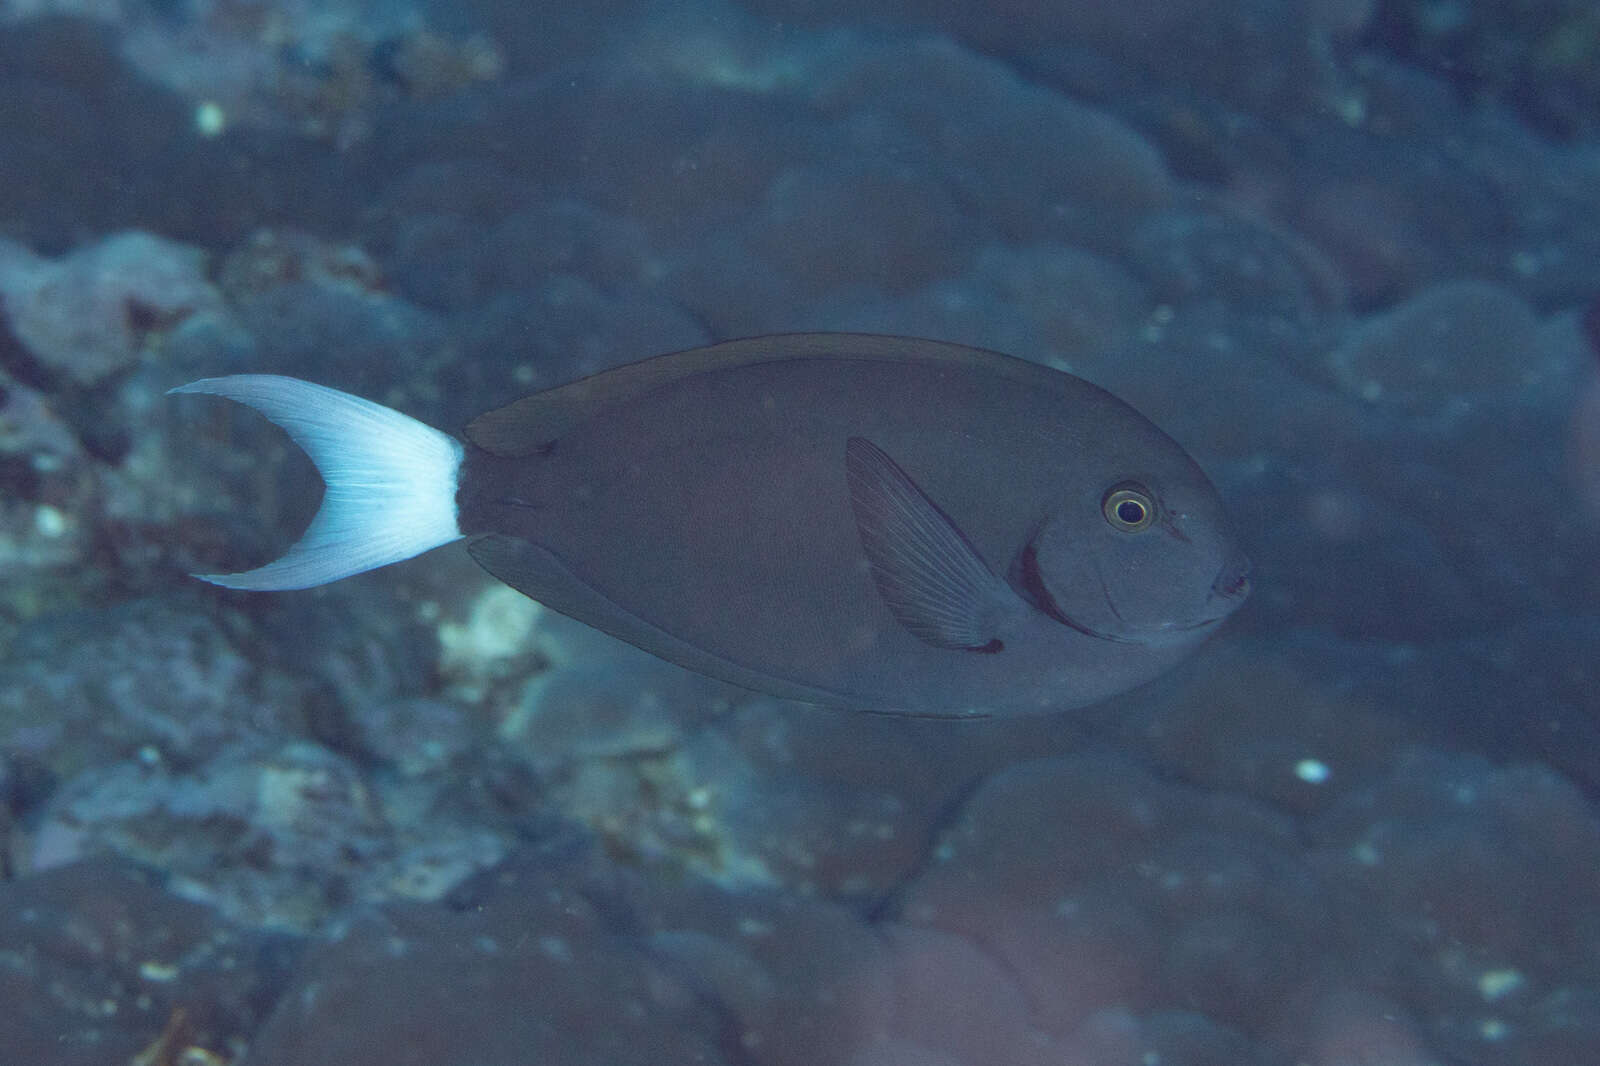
893,524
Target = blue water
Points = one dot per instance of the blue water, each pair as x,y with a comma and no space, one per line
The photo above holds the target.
1347,252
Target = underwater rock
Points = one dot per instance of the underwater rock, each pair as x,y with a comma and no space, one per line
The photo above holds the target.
1453,343
1084,176
86,315
534,968
1105,307
567,327
566,236
1429,859
340,330
1256,54
1103,890
116,965
271,257
48,495
282,838
877,228
1194,254
1345,1026
1517,826
86,688
1014,299
1247,722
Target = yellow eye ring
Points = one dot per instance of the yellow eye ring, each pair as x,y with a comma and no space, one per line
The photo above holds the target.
1128,508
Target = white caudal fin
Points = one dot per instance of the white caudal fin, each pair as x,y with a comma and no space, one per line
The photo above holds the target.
391,481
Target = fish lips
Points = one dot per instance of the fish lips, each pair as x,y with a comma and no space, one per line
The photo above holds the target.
1229,589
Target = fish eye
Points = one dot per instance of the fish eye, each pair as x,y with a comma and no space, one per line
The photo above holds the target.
1128,507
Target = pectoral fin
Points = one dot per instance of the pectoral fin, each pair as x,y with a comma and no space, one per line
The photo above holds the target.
928,573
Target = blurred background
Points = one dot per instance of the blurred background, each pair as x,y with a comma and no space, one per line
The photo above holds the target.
1347,252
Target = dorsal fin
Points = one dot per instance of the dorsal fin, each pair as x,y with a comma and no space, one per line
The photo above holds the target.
526,426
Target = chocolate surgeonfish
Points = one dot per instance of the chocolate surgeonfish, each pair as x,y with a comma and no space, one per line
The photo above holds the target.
898,525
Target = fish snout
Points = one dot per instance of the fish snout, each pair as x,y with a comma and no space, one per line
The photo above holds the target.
1231,586
1232,583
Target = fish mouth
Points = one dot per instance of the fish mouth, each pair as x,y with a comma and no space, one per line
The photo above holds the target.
1087,630
1228,589
1090,631
1232,583
1047,602
1144,636
1231,586
1192,626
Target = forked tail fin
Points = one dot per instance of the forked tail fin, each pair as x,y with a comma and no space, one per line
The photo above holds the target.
391,481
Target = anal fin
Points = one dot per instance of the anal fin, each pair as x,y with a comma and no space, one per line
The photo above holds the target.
539,574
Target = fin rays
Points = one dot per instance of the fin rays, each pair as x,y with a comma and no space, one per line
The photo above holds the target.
391,480
931,578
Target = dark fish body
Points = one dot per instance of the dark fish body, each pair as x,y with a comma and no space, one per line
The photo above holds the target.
895,524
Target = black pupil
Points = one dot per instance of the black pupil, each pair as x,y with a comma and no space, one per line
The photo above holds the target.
1131,512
